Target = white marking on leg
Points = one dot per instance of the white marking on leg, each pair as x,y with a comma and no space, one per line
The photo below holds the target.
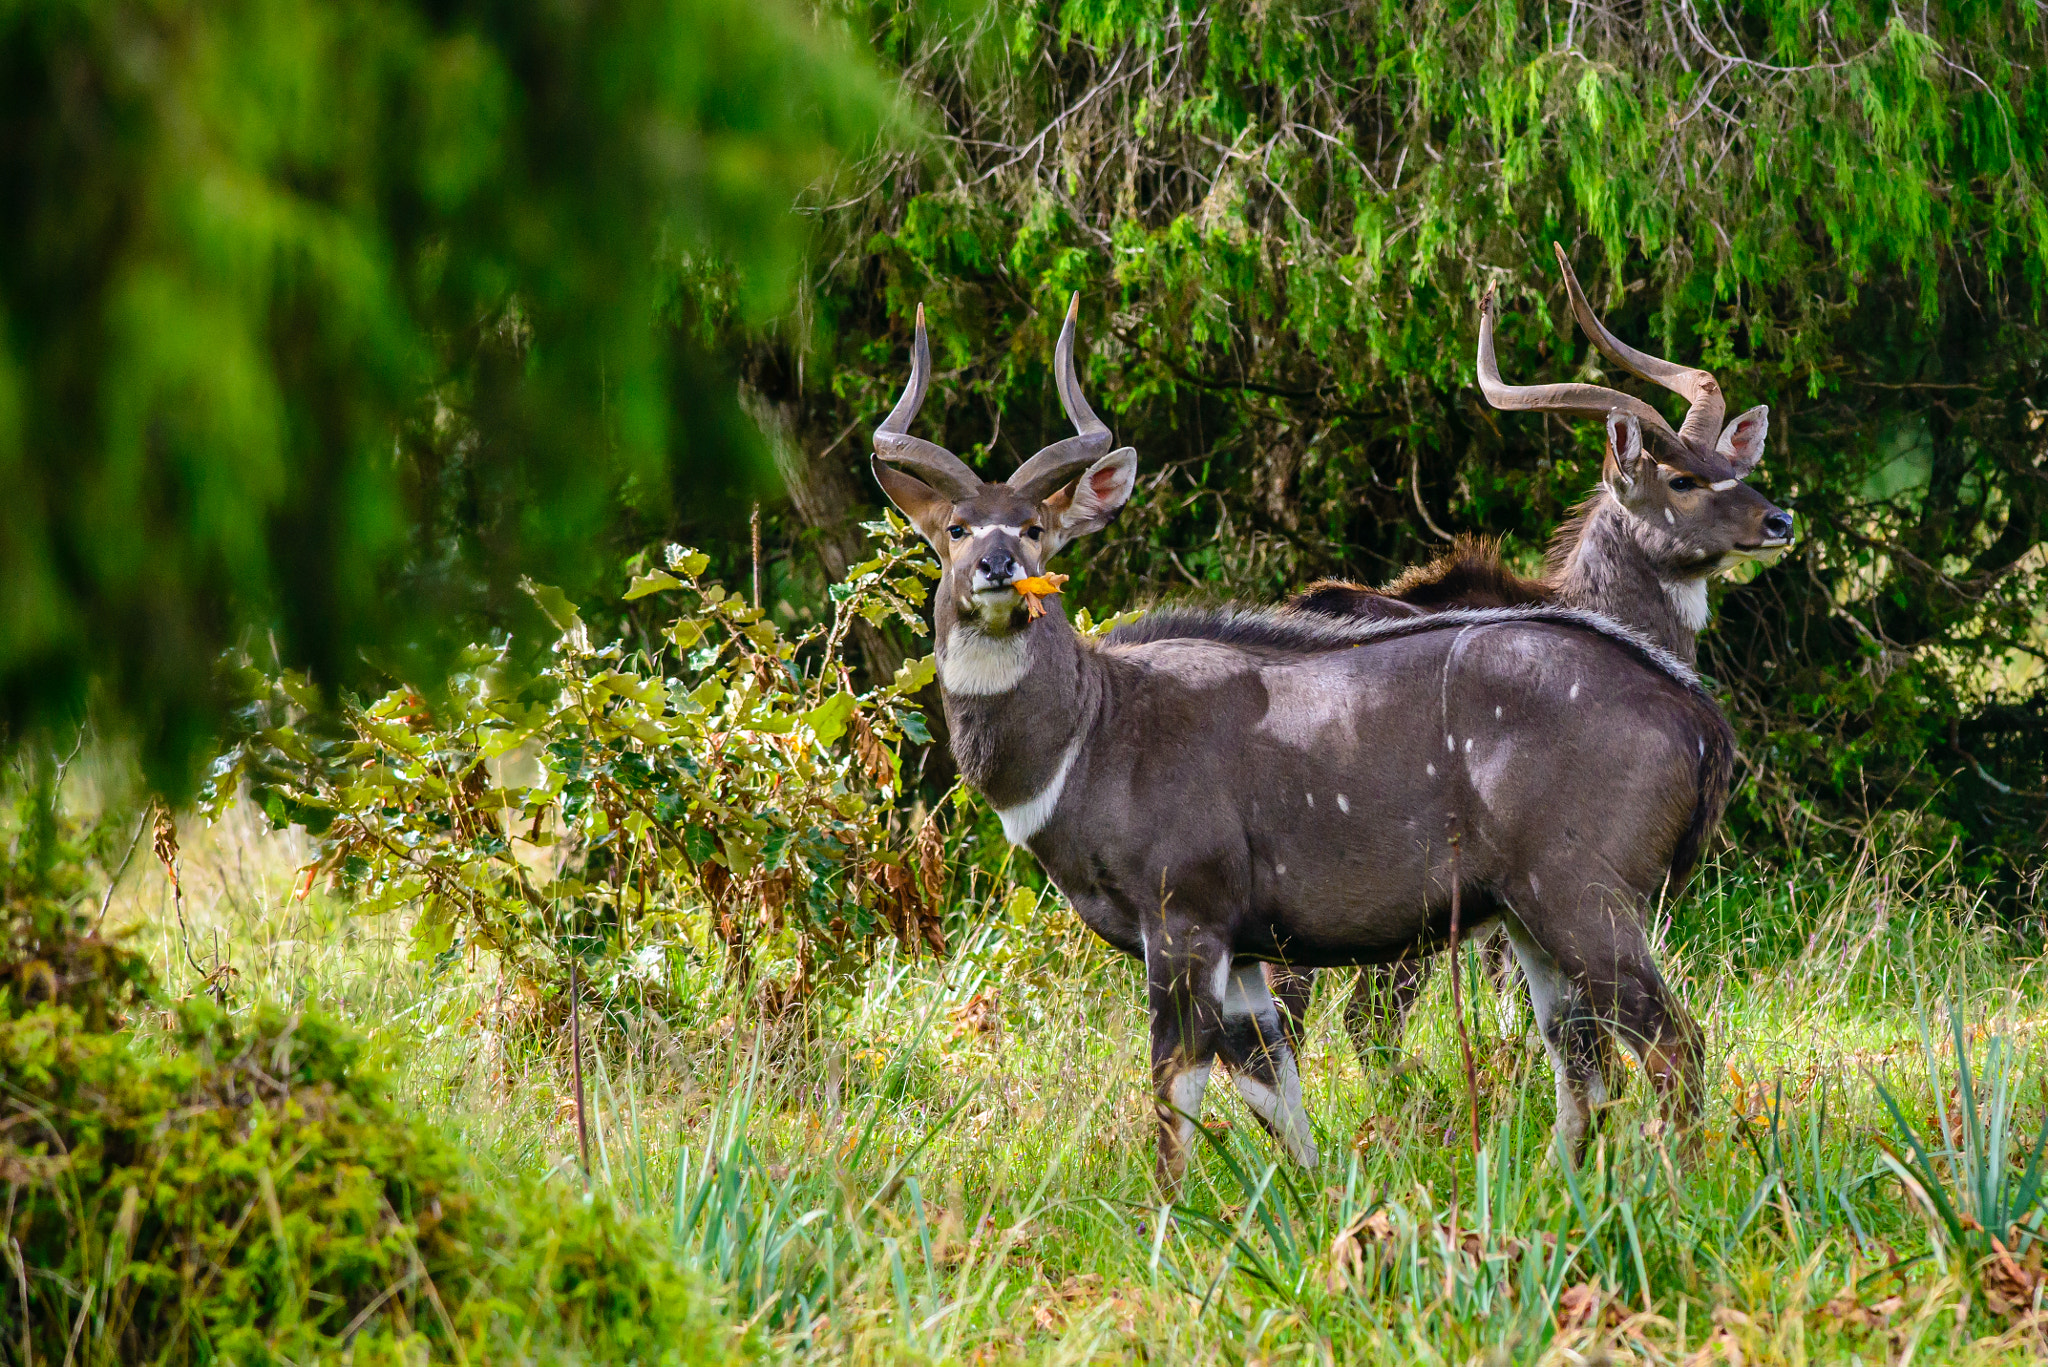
1249,997
1220,983
976,664
1184,1095
1024,820
1548,988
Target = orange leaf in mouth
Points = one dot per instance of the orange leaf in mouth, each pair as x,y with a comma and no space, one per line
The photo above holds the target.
1035,588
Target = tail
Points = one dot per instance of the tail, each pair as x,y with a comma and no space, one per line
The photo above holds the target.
1716,775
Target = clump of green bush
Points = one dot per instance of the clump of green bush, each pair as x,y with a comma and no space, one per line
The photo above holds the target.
222,1188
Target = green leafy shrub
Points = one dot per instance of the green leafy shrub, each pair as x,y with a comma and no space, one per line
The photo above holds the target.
244,1190
717,771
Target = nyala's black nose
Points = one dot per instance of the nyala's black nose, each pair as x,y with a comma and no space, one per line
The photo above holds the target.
997,567
1778,526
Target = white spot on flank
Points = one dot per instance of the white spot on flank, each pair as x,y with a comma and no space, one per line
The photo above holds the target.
1343,803
1468,745
1575,693
1311,799
1280,869
1024,820
976,664
1432,770
1689,601
1496,713
1451,744
1222,979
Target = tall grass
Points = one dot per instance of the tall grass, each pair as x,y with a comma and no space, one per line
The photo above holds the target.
957,1165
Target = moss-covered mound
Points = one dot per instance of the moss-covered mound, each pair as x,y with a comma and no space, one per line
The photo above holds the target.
243,1190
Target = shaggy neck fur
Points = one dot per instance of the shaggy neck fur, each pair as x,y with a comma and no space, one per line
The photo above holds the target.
1017,704
1605,561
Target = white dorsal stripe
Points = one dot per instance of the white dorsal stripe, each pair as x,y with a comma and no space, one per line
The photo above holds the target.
1024,820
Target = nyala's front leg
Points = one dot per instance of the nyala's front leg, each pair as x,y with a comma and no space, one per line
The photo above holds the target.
1185,971
1259,1051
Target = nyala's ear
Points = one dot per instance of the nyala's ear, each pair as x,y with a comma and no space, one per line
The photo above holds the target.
1742,441
927,509
1091,501
1627,469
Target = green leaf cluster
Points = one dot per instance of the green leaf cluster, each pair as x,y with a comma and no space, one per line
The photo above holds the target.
719,781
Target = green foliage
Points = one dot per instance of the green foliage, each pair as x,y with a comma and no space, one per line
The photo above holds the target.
329,319
717,769
1281,218
243,1189
1970,1172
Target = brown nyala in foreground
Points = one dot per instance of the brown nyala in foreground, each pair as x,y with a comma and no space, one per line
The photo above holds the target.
1671,511
1213,791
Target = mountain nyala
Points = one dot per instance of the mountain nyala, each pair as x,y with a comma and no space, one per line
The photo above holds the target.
1218,790
1672,510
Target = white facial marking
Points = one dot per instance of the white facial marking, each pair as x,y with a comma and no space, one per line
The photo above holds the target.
1024,820
1669,518
976,664
1689,601
1722,486
1343,803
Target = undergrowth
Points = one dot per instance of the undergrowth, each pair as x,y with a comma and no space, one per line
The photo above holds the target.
955,1165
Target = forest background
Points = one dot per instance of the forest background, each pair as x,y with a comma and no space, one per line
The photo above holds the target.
1279,219
444,426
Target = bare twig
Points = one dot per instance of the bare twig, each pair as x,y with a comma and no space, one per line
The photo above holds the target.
141,823
1458,994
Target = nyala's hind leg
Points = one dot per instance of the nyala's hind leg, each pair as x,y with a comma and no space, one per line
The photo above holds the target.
1573,1037
1378,1010
1292,988
1185,972
1256,1047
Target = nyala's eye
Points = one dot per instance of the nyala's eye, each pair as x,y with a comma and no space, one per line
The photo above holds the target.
1683,482
1033,533
956,531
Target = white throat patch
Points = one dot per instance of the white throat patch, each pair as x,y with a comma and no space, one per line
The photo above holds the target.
1024,820
1689,600
977,664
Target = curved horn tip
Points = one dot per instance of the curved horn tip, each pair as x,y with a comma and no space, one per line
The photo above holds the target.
920,313
1074,306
